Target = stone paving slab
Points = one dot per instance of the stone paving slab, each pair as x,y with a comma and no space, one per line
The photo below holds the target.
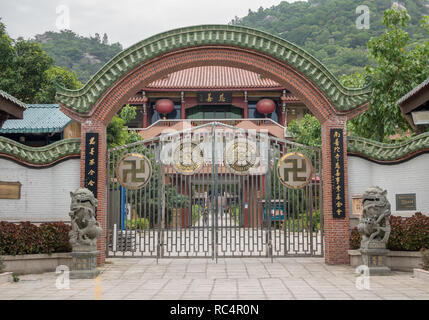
229,279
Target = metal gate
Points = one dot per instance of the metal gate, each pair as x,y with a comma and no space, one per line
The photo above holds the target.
216,206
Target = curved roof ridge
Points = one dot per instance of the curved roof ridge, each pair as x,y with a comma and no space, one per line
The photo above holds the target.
40,156
82,100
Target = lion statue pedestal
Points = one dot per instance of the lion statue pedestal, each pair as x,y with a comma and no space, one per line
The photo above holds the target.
84,234
375,229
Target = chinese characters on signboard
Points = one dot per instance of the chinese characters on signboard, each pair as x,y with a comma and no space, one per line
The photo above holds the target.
337,173
91,162
406,202
214,97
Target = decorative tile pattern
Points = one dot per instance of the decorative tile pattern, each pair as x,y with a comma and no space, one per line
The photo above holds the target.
383,152
41,156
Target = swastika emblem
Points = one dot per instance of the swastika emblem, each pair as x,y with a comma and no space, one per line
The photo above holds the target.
134,171
294,170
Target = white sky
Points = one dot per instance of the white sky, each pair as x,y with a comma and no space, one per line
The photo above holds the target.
125,21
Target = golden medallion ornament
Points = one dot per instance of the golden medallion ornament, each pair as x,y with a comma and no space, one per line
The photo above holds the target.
294,170
241,156
188,158
134,171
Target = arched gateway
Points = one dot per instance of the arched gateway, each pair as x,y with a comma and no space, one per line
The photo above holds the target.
101,98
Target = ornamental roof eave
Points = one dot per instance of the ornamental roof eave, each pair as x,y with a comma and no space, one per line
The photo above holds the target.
40,156
385,152
82,100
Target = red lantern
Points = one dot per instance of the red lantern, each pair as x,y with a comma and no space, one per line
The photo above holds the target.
164,106
266,106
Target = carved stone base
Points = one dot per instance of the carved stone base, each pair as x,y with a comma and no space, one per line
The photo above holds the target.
375,260
84,265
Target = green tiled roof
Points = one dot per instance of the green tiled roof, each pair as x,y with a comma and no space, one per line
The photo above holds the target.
82,100
38,118
384,152
7,96
40,156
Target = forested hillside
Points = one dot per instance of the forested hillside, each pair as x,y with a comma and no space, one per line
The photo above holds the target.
327,28
83,55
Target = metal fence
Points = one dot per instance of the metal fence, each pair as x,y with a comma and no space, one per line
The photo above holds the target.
216,210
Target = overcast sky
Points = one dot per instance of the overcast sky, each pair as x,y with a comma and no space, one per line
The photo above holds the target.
125,21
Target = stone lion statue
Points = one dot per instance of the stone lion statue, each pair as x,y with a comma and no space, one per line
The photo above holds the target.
374,224
85,228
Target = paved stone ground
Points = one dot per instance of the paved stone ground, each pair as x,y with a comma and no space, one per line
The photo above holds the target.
171,279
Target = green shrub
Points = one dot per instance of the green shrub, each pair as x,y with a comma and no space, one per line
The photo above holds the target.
303,223
197,211
27,238
55,237
140,224
407,234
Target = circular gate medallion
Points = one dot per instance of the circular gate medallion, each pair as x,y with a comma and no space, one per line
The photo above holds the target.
134,171
294,170
241,156
188,158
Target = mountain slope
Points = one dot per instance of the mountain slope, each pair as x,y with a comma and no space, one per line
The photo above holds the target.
327,28
83,55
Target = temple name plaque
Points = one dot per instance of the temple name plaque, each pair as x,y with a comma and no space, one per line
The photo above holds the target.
406,202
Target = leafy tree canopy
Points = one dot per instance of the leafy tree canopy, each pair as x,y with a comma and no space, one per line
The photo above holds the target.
117,131
398,66
306,131
327,28
27,72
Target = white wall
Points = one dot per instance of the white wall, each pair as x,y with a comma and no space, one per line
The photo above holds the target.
45,193
408,177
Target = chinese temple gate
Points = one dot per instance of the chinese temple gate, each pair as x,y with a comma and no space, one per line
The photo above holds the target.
146,75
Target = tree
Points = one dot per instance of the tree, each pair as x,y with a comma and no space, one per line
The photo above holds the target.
306,131
67,79
105,39
117,131
399,67
27,72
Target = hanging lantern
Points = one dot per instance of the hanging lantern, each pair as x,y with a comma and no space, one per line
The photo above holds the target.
164,107
266,106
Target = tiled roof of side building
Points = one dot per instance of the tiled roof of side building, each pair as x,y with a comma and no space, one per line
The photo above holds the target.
414,91
14,100
38,118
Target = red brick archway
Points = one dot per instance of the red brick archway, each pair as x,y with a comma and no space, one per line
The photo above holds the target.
336,230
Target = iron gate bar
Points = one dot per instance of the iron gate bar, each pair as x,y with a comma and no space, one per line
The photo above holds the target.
241,207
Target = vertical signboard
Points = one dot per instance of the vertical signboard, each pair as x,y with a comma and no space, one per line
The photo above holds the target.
91,162
337,173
